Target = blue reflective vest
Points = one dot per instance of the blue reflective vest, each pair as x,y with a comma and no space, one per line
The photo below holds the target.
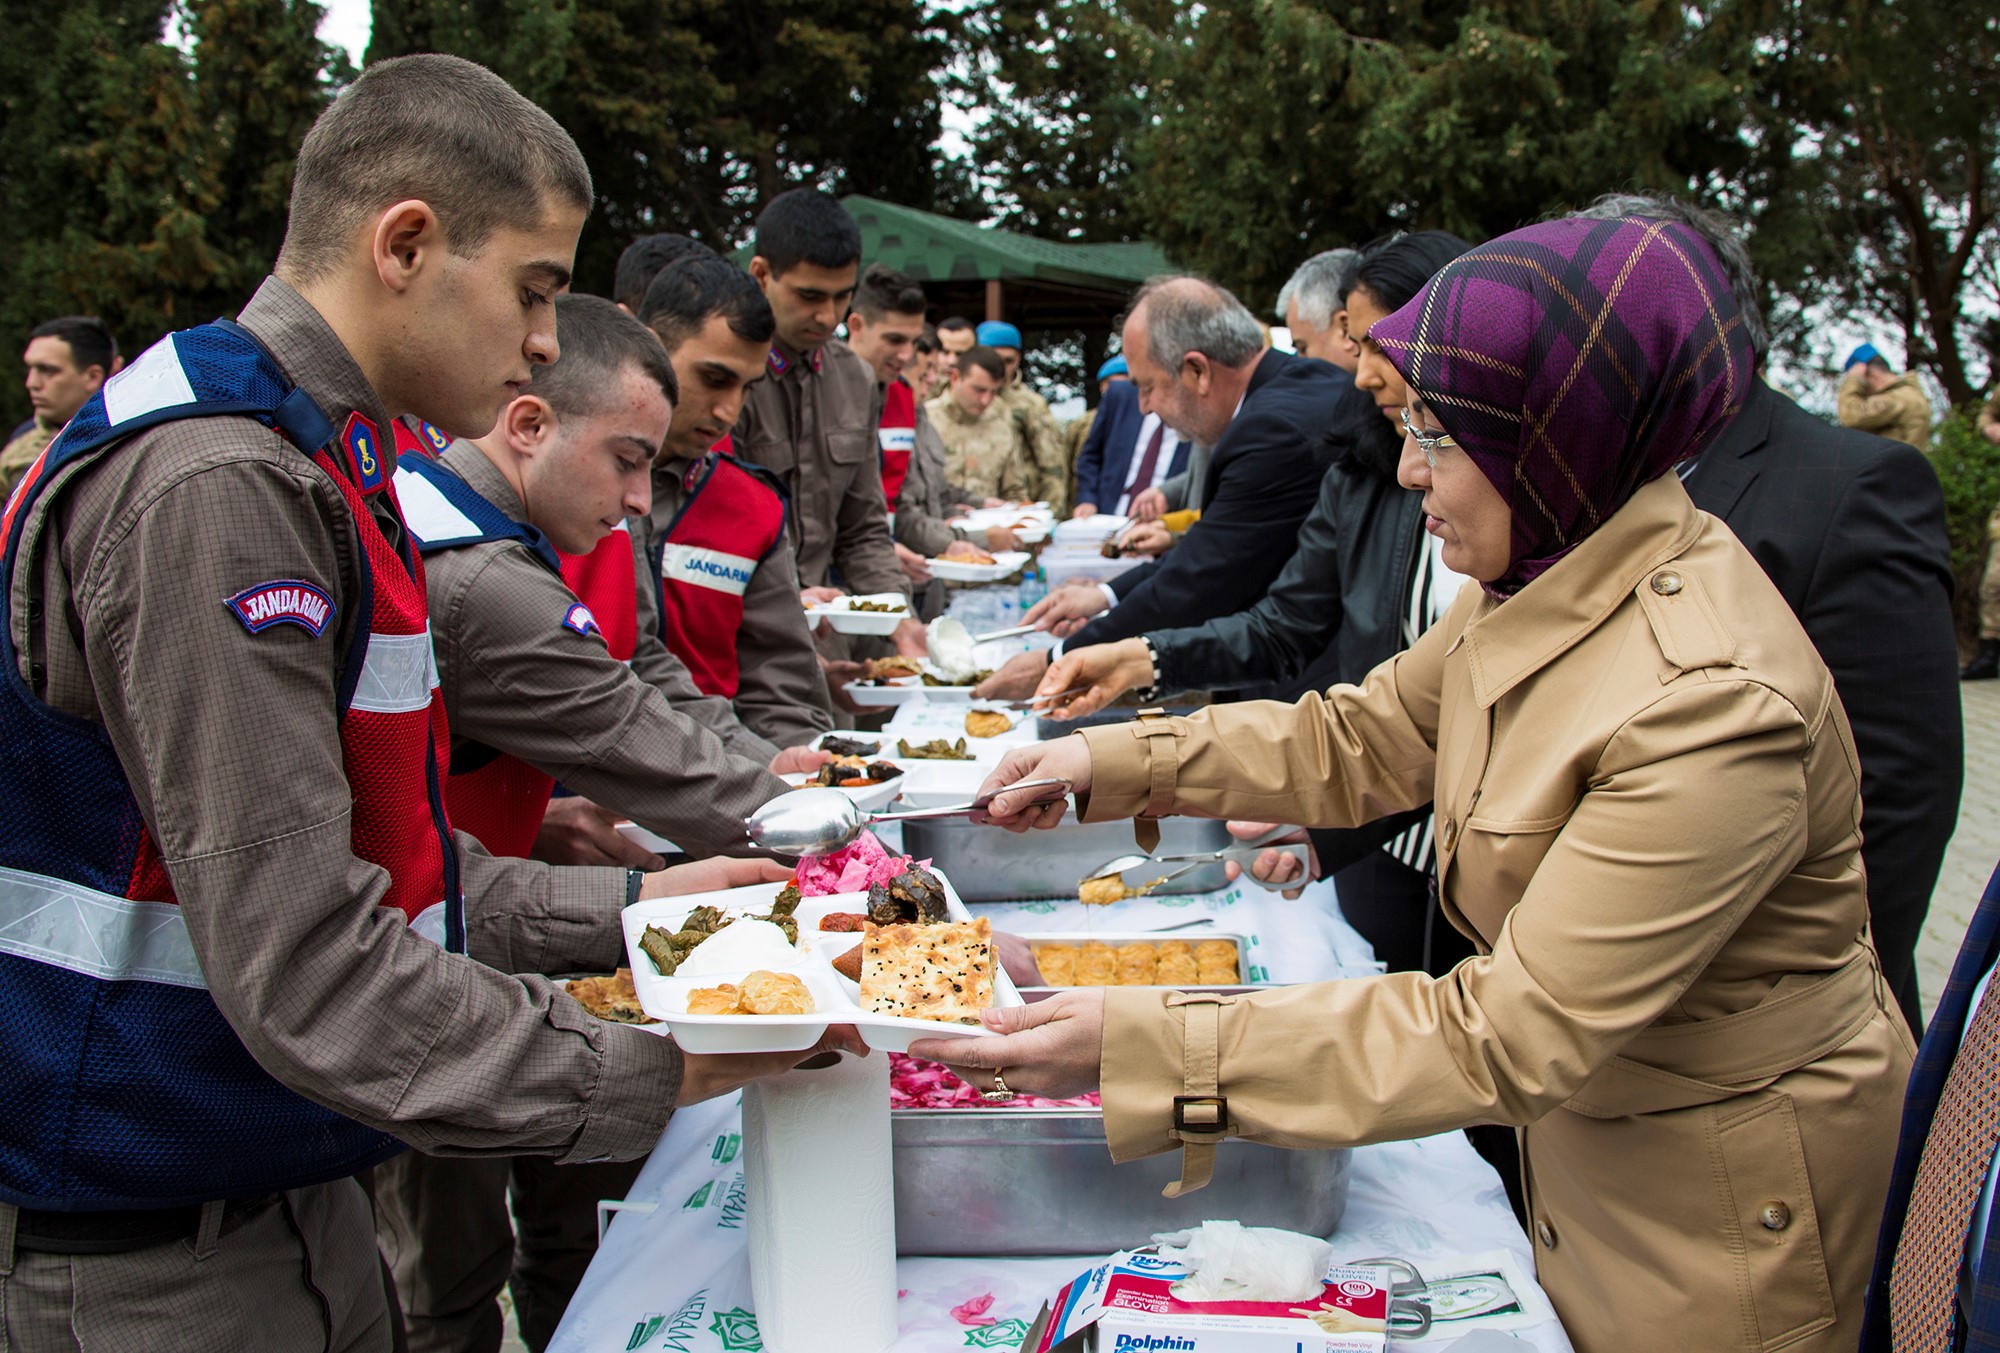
124,1085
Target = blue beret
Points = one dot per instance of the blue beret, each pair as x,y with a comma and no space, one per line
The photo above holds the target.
997,333
1114,367
1865,353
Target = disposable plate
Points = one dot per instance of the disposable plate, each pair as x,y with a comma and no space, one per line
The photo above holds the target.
880,794
1005,564
840,614
835,999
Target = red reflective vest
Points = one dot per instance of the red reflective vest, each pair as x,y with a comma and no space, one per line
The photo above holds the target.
731,519
606,582
496,799
898,434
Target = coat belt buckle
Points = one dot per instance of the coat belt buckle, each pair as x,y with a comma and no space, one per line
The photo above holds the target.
1214,1108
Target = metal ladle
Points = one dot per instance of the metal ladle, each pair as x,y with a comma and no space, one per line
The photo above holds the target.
815,821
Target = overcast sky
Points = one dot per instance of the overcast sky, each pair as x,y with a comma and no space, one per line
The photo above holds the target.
346,25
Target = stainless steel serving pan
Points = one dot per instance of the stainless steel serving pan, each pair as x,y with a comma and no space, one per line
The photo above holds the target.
1004,1181
986,864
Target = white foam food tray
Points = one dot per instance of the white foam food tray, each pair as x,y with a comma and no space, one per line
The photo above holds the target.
869,798
840,614
1005,565
835,999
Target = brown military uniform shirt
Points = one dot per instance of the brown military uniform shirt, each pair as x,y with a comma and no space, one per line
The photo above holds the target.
811,421
518,680
19,454
781,696
231,743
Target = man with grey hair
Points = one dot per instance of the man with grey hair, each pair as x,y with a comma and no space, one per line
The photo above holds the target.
1198,359
1312,305
1850,527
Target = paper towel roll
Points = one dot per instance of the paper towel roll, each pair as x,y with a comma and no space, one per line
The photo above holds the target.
822,1208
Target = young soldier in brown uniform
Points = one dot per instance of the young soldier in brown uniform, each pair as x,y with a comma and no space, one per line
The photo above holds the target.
811,420
194,605
535,697
744,639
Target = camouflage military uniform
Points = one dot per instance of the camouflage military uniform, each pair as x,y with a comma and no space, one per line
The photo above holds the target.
987,456
1048,457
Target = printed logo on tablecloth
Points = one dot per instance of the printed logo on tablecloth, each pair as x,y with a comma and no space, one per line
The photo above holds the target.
1005,1334
699,1198
732,1206
676,1330
726,1147
738,1331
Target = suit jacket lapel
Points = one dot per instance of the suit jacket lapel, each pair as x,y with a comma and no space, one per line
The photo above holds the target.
1730,466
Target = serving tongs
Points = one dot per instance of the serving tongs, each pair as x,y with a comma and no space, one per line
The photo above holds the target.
815,821
1245,855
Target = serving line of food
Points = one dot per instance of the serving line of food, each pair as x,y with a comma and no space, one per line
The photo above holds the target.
908,929
997,1205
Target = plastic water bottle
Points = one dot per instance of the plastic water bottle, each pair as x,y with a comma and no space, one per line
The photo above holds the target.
1031,589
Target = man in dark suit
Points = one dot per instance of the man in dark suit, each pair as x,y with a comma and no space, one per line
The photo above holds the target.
1931,1289
1121,434
1850,526
1198,359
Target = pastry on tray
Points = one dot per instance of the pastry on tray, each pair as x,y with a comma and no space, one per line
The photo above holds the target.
935,972
611,998
987,723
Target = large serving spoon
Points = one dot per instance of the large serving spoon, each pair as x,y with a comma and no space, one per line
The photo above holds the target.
1244,855
815,821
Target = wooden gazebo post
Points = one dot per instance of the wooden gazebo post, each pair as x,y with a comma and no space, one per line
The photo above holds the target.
993,305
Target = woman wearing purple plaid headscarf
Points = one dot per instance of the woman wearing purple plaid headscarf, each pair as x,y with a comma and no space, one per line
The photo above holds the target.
1648,817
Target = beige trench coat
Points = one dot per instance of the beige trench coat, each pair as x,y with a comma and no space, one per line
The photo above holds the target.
1648,818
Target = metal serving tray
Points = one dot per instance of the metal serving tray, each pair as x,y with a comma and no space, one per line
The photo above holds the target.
1118,939
995,866
1040,1181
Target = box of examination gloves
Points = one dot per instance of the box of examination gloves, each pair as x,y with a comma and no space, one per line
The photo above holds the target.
1127,1305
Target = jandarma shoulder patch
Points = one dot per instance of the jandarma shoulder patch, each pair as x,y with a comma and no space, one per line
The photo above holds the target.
282,601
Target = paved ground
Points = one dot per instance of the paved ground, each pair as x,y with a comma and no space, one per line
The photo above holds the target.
1975,848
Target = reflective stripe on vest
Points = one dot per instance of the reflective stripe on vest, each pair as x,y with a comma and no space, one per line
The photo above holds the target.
128,1088
898,435
498,800
730,521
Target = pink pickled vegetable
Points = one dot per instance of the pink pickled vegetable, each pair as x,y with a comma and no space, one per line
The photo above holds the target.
854,868
917,1084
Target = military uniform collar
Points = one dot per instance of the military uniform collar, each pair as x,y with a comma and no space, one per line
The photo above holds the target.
1507,642
783,358
311,353
469,463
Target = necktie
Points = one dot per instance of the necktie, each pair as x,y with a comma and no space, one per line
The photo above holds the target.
1923,1281
1142,478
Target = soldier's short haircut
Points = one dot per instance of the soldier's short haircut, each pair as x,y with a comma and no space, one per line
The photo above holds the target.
807,226
986,359
646,258
598,342
688,293
90,343
437,129
884,291
956,324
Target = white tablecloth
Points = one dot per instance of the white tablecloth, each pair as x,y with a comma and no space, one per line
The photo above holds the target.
678,1276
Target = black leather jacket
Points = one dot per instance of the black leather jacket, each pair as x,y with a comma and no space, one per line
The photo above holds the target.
1335,611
